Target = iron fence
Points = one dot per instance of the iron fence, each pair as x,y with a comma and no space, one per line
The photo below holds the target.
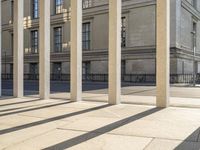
131,78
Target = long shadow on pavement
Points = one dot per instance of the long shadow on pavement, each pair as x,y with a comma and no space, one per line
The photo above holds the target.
20,102
21,127
190,143
37,108
18,108
100,131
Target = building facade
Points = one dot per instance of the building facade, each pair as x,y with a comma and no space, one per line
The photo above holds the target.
138,36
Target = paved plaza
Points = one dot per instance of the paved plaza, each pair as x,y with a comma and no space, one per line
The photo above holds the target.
181,95
136,124
30,123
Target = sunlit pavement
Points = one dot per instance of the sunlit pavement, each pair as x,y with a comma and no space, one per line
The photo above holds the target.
30,123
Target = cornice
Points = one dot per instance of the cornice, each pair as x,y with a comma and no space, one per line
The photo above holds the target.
186,5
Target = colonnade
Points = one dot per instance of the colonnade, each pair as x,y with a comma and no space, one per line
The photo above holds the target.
162,42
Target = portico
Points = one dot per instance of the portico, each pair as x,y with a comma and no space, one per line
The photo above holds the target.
115,6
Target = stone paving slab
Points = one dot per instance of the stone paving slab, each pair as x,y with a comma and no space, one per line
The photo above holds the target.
163,144
76,140
60,124
15,137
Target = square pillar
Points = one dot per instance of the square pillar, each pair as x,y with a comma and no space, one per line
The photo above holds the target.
44,48
114,51
76,50
163,53
18,24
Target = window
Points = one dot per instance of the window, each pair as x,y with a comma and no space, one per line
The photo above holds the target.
34,41
35,8
123,67
34,68
11,68
57,68
58,6
58,39
194,30
123,32
87,4
86,36
86,67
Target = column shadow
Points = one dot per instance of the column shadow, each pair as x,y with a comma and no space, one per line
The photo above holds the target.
100,131
21,102
190,143
31,109
11,109
21,127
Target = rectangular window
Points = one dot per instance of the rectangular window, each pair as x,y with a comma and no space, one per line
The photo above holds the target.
34,68
86,36
123,67
194,30
58,39
123,32
11,68
34,41
58,6
35,9
87,4
86,67
57,68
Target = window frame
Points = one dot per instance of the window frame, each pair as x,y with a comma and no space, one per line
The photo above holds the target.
34,42
58,6
35,9
60,36
87,4
86,36
123,31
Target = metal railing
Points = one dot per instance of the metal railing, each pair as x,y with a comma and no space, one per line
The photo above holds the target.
131,78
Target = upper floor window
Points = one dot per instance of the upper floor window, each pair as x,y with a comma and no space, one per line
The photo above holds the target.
35,8
34,41
87,3
194,30
58,39
86,36
123,32
58,6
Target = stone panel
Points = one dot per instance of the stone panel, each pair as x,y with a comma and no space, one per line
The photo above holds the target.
99,67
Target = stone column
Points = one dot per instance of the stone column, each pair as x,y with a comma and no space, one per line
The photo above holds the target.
18,24
44,48
114,51
163,53
76,50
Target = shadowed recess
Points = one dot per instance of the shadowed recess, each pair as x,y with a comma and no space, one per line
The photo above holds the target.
100,131
21,127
